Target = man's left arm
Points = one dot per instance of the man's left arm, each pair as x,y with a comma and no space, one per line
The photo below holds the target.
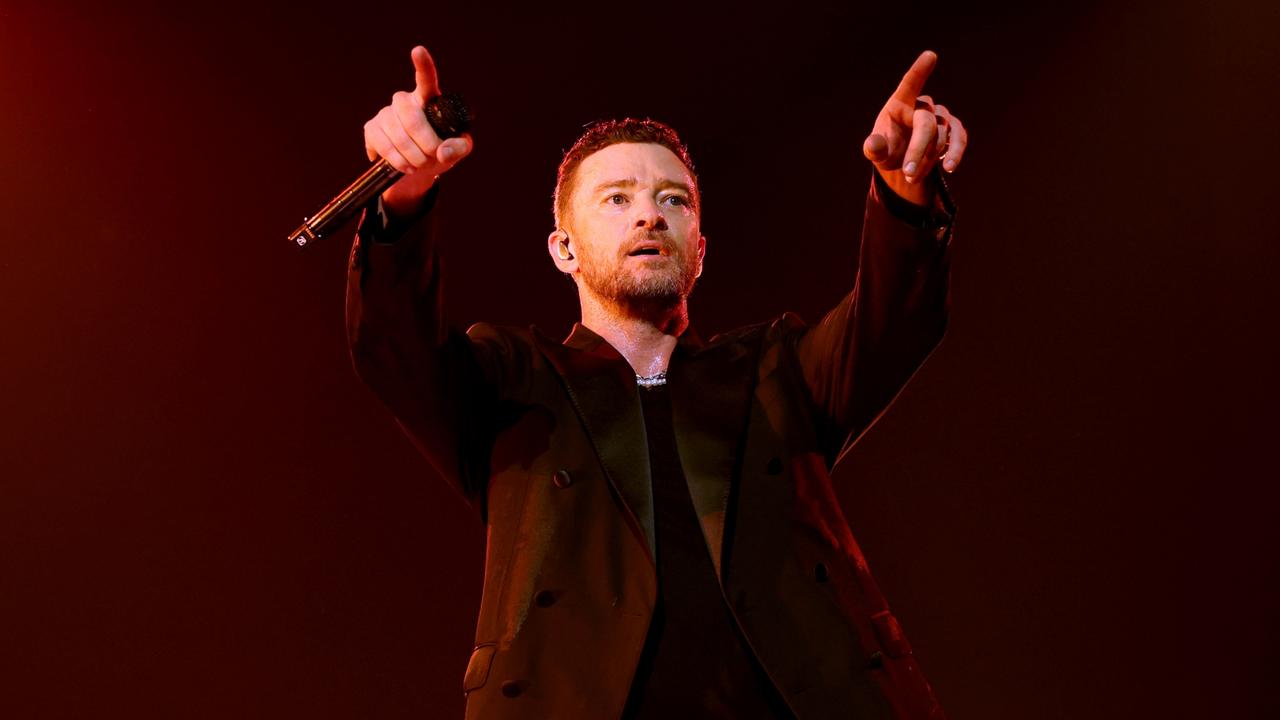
862,353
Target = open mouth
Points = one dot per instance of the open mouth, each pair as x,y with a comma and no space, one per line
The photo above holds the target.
646,251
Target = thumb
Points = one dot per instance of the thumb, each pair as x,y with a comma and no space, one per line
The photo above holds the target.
876,148
453,150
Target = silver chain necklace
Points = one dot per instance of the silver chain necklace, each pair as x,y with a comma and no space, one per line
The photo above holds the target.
655,380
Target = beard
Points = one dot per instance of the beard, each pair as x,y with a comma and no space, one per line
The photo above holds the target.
625,281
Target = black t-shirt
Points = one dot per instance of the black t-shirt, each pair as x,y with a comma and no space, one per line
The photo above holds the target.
695,662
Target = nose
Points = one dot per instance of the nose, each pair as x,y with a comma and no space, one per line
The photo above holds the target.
649,215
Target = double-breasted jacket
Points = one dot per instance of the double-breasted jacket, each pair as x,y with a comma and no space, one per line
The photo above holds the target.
546,441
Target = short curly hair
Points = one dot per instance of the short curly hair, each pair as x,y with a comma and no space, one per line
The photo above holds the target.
603,133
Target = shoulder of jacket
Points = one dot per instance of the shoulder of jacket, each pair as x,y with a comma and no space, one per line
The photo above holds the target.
767,331
500,334
788,323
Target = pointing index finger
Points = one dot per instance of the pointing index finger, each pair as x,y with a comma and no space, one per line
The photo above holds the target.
913,82
426,84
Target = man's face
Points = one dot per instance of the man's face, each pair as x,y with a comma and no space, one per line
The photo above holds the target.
634,225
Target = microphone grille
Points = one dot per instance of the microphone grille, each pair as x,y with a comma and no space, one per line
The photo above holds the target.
448,115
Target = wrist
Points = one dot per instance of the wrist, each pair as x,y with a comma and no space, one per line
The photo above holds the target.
922,192
404,204
936,217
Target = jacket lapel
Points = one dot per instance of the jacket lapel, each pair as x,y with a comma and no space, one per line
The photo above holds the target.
603,390
711,391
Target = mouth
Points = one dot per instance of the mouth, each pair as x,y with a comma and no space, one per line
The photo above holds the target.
648,249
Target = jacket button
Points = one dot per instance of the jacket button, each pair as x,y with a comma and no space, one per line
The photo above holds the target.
562,479
511,688
544,598
774,467
820,572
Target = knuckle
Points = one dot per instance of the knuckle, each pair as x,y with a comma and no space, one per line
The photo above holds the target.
398,134
423,136
418,127
401,144
410,150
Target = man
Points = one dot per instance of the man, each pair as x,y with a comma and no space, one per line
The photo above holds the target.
663,538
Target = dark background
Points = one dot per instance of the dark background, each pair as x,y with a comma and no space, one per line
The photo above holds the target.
204,514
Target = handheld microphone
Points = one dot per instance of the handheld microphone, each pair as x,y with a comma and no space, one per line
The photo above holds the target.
448,116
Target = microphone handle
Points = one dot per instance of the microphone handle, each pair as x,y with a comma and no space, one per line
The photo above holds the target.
380,176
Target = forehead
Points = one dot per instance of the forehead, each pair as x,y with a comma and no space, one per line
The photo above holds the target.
646,162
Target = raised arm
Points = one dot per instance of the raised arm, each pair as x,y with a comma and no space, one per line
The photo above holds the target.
862,353
432,377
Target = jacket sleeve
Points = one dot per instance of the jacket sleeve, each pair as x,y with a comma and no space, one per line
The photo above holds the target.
437,382
859,357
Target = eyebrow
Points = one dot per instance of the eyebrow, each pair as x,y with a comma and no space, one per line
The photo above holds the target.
632,182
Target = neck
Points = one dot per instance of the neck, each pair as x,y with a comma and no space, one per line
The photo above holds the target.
645,334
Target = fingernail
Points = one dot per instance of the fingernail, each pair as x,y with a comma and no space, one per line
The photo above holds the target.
949,164
447,152
910,169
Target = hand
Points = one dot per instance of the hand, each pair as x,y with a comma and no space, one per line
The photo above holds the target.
912,134
401,134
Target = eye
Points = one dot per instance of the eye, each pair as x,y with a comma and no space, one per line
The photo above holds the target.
677,200
616,199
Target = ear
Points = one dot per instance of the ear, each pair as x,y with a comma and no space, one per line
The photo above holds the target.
558,246
702,252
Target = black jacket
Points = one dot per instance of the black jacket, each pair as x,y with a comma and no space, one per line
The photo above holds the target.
546,440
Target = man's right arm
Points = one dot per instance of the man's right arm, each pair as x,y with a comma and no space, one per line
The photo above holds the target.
429,375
